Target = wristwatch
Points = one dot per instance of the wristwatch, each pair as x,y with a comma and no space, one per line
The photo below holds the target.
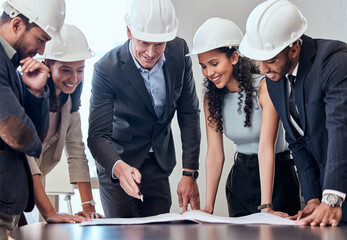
263,206
332,200
194,174
91,203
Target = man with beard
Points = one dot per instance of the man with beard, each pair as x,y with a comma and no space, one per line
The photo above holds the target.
24,106
307,82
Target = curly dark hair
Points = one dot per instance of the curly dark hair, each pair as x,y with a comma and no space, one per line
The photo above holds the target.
242,71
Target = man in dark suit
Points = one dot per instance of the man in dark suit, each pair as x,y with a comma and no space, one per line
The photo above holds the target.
136,90
307,82
25,27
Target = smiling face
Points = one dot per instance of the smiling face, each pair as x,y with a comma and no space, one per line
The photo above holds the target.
218,68
146,53
281,64
66,75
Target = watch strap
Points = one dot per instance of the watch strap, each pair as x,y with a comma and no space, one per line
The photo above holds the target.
326,200
266,205
90,202
194,174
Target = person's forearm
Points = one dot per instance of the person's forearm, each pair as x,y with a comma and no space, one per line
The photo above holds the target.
266,170
86,194
213,173
42,202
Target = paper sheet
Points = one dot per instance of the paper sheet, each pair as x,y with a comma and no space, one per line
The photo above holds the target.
194,216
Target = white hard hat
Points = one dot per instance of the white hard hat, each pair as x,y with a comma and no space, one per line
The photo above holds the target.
49,15
271,27
75,48
152,20
215,33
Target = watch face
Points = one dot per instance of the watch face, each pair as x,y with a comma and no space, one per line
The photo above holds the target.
195,174
332,199
92,202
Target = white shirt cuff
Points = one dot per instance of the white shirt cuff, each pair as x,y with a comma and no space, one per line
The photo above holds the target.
113,176
340,194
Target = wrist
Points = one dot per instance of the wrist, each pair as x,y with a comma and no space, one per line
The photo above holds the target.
266,210
88,208
332,200
48,213
313,201
118,168
209,209
194,174
90,203
37,93
265,206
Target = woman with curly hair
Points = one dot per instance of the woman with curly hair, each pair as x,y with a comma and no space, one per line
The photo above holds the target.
237,104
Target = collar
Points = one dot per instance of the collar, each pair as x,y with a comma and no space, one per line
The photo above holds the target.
157,65
295,71
10,51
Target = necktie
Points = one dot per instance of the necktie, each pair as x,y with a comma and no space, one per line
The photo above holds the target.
292,106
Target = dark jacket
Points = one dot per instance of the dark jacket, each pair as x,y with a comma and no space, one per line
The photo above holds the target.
23,117
122,121
321,97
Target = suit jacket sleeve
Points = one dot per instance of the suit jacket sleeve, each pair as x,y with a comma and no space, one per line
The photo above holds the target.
334,82
188,117
75,151
100,121
307,168
18,124
38,111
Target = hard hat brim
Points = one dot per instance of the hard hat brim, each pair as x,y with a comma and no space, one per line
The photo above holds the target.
155,37
199,51
263,55
256,54
74,57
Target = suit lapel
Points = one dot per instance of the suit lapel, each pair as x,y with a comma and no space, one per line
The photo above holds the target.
134,77
284,105
307,53
278,94
169,75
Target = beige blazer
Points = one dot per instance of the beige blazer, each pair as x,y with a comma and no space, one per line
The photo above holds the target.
69,136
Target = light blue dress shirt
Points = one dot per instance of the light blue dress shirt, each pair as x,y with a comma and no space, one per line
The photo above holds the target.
155,83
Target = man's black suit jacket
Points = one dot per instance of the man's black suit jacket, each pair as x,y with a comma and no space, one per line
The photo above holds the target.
321,96
122,121
24,120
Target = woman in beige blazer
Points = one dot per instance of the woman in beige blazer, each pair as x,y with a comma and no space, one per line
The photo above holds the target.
66,64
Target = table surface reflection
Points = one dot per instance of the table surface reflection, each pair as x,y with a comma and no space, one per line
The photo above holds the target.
175,231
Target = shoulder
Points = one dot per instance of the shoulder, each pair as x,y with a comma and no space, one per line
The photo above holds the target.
257,80
330,46
177,46
3,57
262,85
177,41
113,57
323,49
327,58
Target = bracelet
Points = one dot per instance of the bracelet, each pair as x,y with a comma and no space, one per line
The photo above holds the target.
267,205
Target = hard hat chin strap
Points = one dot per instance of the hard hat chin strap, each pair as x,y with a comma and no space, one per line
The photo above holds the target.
299,41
